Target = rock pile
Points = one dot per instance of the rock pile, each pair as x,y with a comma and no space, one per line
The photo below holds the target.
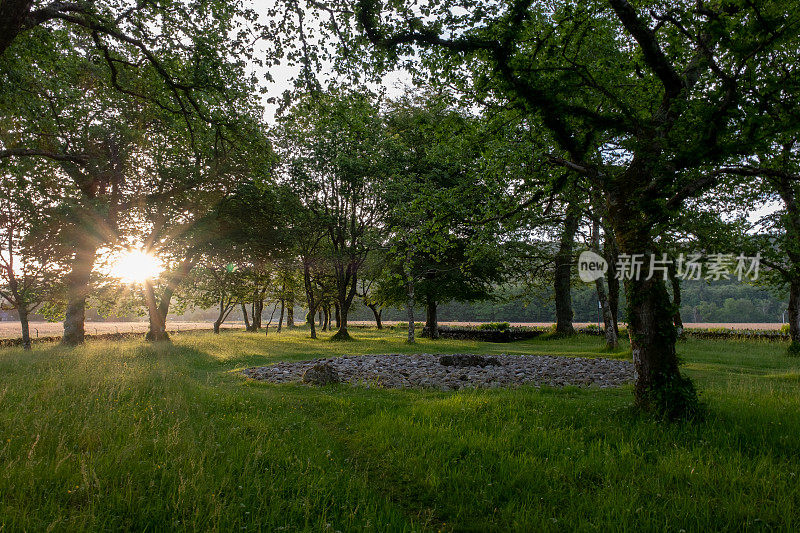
468,360
449,372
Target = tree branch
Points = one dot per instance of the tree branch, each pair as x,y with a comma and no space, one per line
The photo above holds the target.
21,152
653,55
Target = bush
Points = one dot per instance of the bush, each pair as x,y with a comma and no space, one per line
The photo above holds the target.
404,325
785,329
495,326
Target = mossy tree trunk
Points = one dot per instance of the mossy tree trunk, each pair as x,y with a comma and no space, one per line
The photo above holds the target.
659,386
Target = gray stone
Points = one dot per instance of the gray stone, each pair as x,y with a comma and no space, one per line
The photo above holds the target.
321,374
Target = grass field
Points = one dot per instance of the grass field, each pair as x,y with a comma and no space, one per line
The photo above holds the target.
127,435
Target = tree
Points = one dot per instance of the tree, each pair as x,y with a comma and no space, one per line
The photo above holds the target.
222,285
369,282
30,258
332,144
169,73
146,40
609,320
562,276
439,187
635,100
778,241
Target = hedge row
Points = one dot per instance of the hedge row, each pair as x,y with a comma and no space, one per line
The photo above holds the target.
716,333
487,335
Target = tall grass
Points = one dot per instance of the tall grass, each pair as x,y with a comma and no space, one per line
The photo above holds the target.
128,435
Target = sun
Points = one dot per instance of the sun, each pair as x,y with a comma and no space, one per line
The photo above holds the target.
136,266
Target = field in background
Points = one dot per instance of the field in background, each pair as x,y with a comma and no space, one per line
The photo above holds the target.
127,435
11,330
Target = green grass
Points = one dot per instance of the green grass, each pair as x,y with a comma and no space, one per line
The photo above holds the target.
132,436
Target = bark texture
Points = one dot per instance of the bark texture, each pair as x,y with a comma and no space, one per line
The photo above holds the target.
659,386
346,293
310,297
677,320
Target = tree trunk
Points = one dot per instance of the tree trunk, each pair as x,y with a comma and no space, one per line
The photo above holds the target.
609,326
158,324
246,319
221,317
659,386
431,319
326,318
77,291
22,311
257,309
794,318
409,302
309,297
312,325
608,319
290,311
789,191
160,318
280,319
346,294
377,313
342,330
677,320
338,315
611,255
19,302
563,273
271,315
652,335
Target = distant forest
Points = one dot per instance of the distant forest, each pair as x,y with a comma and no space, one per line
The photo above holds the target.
720,301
